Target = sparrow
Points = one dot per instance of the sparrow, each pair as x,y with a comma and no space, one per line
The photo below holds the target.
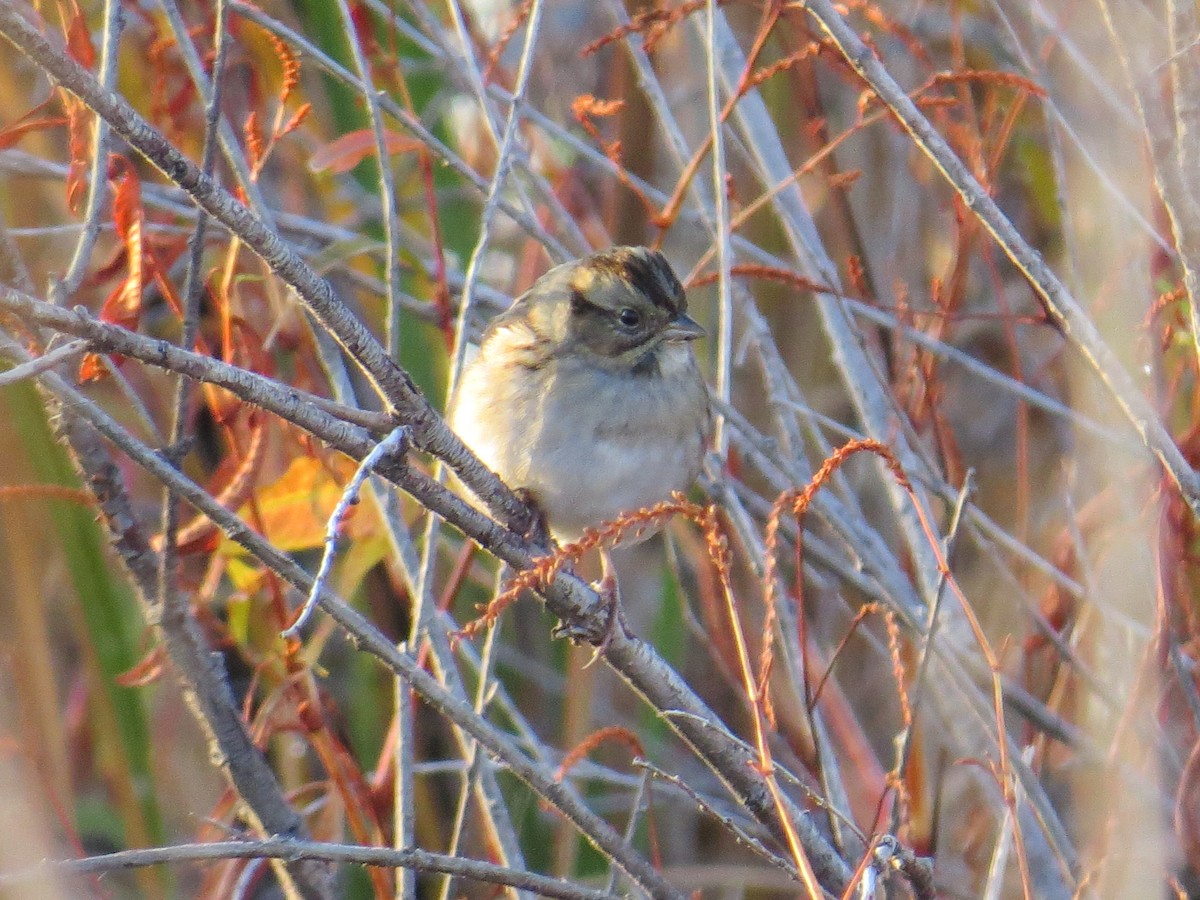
585,395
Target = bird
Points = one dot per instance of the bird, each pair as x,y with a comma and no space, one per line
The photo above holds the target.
585,395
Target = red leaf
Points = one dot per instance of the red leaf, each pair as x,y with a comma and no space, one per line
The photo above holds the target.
107,271
15,132
124,305
79,39
350,149
79,142
118,308
92,369
180,101
28,123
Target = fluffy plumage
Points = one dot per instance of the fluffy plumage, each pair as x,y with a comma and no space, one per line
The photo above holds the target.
585,392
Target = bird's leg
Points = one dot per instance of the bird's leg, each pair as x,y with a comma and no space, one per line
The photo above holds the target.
610,603
610,596
538,532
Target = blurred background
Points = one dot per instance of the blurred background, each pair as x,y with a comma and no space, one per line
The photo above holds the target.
1027,718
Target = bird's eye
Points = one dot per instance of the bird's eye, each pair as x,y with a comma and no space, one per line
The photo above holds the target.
630,318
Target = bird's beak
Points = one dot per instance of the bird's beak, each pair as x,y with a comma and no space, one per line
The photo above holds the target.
683,328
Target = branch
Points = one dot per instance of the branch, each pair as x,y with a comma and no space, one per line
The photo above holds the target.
114,21
144,567
204,683
567,597
293,850
429,432
1059,304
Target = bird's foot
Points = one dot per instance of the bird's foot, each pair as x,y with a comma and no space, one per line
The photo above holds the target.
538,532
610,608
610,598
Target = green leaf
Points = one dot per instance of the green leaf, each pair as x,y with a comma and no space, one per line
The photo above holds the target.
114,626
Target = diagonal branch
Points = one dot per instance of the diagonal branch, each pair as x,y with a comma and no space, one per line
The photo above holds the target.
205,685
567,597
1059,304
393,383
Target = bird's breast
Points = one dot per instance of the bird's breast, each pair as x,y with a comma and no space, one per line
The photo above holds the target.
589,444
614,444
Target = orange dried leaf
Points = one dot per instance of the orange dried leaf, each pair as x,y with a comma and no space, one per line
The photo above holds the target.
505,38
544,569
124,305
255,146
349,150
157,271
119,308
27,124
651,24
79,39
79,142
294,122
587,106
771,273
157,48
127,192
843,180
177,105
992,77
812,48
612,733
92,368
291,66
146,671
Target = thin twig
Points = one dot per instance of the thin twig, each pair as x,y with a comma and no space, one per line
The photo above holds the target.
724,343
429,431
176,607
1059,303
387,183
64,290
292,850
917,688
392,445
43,363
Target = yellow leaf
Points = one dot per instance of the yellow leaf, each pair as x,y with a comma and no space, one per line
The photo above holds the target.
295,509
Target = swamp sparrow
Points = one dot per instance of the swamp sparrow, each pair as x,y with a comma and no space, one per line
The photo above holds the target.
585,394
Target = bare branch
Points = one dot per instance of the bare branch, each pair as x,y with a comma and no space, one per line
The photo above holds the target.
1065,310
290,850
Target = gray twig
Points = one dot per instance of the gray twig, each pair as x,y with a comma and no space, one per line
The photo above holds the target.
61,293
43,363
292,850
1059,303
393,446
